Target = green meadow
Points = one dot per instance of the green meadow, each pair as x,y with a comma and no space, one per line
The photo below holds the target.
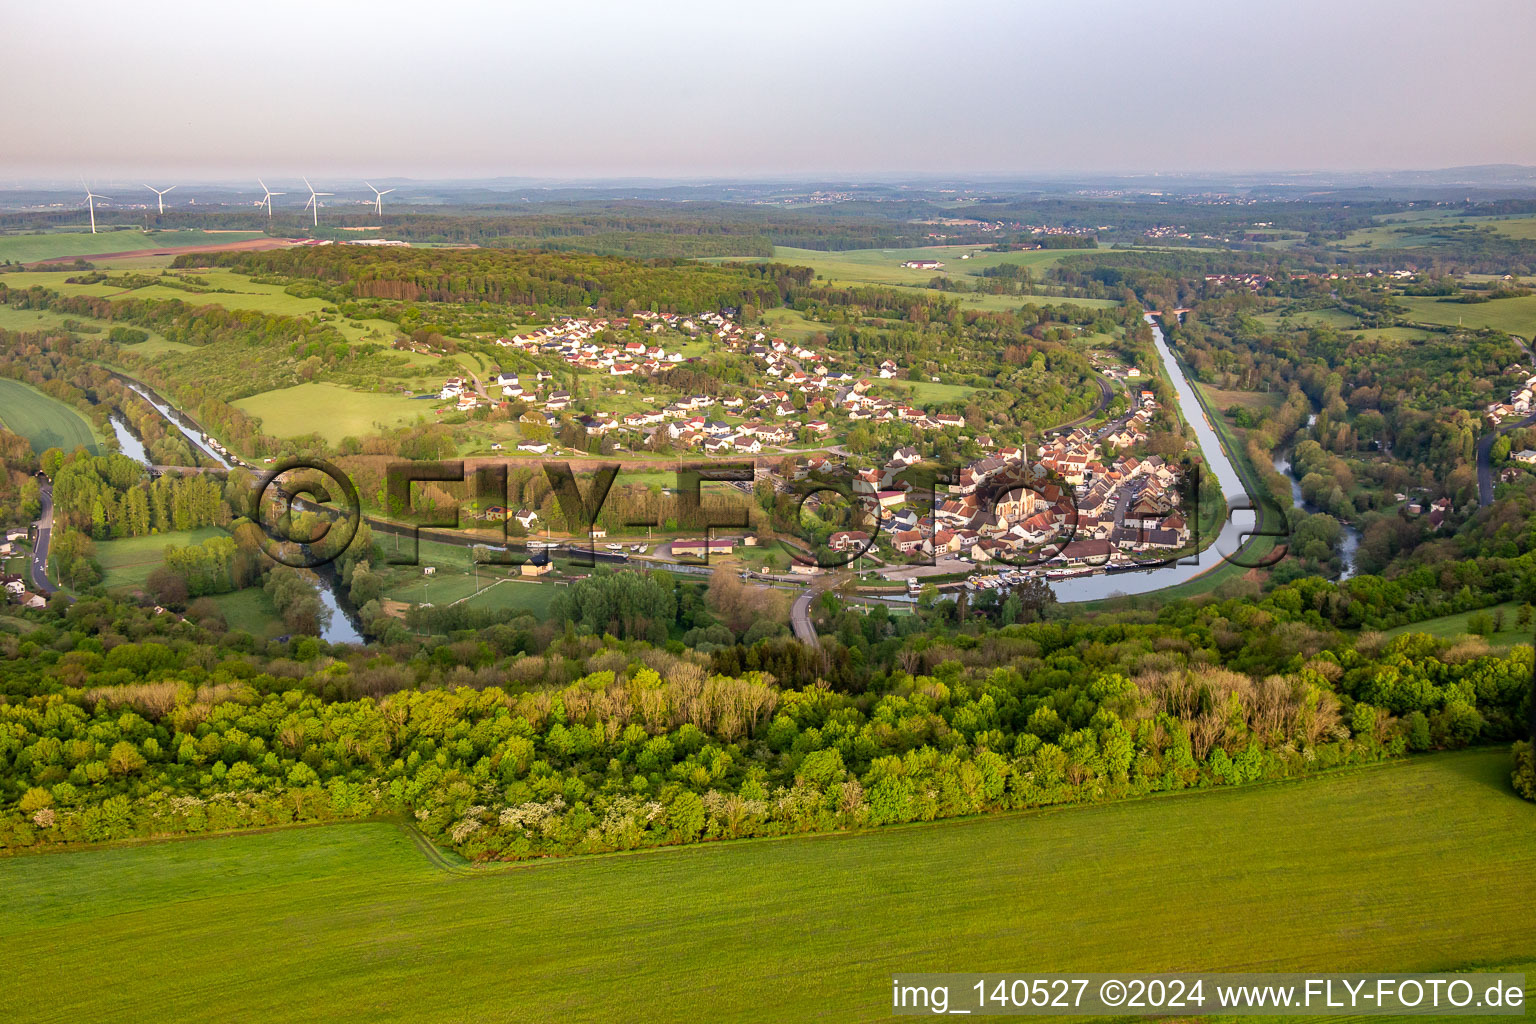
46,422
1455,626
250,610
884,267
332,412
1513,316
129,561
55,244
1419,865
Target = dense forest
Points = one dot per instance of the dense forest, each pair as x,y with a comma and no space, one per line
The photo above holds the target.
517,740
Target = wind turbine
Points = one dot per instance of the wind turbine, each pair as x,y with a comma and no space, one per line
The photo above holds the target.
90,201
160,194
314,200
378,199
266,200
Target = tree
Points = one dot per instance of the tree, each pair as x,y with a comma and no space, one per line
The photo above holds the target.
1524,777
168,587
124,758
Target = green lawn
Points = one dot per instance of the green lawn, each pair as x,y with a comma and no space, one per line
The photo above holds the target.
50,245
1456,626
332,412
1416,866
46,422
129,561
926,391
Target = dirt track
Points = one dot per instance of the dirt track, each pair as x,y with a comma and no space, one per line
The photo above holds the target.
249,245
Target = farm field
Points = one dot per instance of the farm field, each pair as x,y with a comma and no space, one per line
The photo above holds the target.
53,244
1416,865
1513,316
46,422
127,562
332,412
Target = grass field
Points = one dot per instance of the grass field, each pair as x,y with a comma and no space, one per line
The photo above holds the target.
1418,865
1456,626
46,422
1513,316
517,595
330,411
50,245
250,610
129,561
884,267
931,391
1223,400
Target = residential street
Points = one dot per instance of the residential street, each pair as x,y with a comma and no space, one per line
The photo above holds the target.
40,545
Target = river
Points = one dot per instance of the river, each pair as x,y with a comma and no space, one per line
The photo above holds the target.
1349,541
1233,531
338,627
127,442
180,423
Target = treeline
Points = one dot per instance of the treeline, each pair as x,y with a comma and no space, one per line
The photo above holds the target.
112,496
598,745
564,281
20,495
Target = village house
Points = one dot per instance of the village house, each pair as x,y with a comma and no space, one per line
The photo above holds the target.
699,548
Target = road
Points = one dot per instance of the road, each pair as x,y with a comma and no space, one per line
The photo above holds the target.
44,524
1484,468
800,619
1106,395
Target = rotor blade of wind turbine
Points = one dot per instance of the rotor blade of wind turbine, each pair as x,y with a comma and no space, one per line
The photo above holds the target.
171,189
386,192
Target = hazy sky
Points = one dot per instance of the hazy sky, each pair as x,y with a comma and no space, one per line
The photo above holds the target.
451,88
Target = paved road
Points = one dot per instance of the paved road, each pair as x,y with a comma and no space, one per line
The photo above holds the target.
800,619
1484,468
1106,395
44,524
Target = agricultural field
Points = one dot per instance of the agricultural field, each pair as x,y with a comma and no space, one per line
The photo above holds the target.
1513,316
46,422
1415,865
55,244
332,412
127,562
1397,230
